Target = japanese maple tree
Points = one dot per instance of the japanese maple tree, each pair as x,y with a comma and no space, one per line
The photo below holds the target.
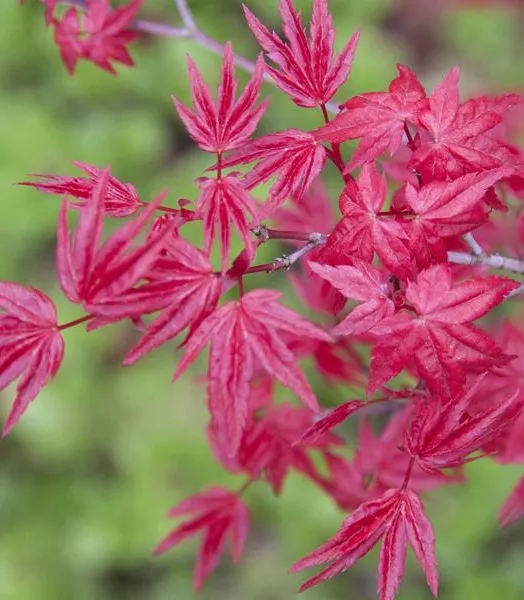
407,247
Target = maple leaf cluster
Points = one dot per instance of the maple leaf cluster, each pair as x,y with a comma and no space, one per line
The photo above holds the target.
427,171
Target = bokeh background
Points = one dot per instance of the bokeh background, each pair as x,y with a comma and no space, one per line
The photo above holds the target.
87,476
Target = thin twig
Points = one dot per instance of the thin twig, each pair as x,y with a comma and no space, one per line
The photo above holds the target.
264,234
161,29
284,263
519,290
474,246
494,261
186,15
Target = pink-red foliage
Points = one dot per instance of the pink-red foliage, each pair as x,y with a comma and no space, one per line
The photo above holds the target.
31,345
216,514
98,34
308,72
409,247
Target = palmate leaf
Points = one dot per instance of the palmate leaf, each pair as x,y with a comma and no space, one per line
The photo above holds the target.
100,34
244,334
364,283
437,338
398,517
120,199
216,514
95,274
308,71
182,286
269,448
456,139
227,123
377,118
294,157
224,203
446,209
444,434
31,345
361,232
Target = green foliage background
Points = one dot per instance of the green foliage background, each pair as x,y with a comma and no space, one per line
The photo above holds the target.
88,475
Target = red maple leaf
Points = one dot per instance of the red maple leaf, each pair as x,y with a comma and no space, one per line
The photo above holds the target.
379,464
383,463
31,345
455,138
182,286
378,118
228,123
269,448
285,424
435,334
217,514
361,232
244,335
97,33
120,199
293,156
444,435
364,283
446,209
224,202
398,517
92,276
308,73
332,419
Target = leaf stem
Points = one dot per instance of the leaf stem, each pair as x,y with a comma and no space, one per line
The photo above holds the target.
334,154
244,487
408,473
78,321
162,208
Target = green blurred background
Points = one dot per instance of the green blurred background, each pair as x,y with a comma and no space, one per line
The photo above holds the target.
87,476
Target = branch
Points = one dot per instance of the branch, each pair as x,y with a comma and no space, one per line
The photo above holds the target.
474,246
286,261
264,234
186,15
494,261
